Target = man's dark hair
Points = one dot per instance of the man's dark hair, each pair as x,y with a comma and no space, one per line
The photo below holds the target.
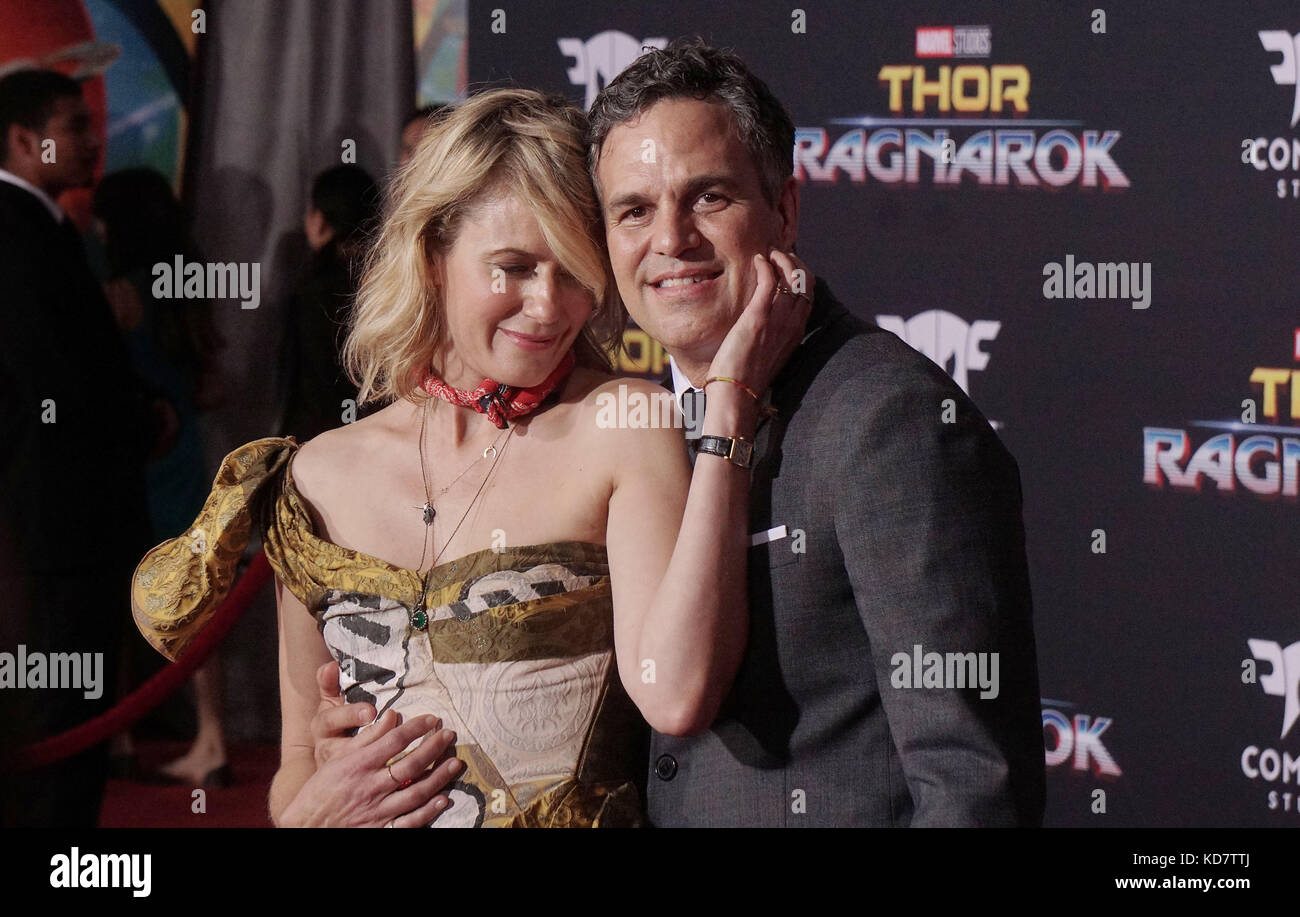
143,221
27,99
692,69
348,198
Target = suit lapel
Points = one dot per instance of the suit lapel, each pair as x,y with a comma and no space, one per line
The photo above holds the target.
821,339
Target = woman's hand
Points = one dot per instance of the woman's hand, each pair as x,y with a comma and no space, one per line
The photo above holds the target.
771,326
356,787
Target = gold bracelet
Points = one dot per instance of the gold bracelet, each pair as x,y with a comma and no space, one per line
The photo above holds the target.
733,382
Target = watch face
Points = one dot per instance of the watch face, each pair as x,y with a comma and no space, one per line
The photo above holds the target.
742,453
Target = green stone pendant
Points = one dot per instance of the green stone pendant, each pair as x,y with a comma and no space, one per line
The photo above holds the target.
419,620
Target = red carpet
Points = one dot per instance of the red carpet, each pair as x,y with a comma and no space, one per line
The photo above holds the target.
242,805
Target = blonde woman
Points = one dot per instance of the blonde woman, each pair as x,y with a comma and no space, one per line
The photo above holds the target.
503,577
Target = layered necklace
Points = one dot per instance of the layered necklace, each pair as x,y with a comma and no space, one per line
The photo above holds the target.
500,403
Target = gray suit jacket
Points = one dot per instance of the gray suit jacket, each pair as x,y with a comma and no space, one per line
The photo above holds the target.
901,531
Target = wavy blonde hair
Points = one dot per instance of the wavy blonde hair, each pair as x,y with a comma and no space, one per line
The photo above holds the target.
506,140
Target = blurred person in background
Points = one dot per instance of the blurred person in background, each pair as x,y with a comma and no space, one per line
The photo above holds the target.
173,344
78,427
413,128
344,200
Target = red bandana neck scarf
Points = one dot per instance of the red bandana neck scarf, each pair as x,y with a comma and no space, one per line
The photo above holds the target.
501,402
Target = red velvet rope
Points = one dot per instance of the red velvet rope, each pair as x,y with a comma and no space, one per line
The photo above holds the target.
154,691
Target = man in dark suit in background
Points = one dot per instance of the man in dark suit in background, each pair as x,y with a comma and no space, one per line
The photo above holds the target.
886,511
77,428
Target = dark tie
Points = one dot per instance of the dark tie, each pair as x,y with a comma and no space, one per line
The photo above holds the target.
693,417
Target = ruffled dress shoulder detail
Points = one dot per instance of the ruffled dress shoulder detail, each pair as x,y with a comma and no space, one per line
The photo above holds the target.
179,584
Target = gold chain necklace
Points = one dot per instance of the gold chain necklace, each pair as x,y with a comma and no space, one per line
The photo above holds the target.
428,510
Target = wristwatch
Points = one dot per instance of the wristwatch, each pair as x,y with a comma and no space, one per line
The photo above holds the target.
738,450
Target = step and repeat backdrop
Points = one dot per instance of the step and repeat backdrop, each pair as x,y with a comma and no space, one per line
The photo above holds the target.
1087,213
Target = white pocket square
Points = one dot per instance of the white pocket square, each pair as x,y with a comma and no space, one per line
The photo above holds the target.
772,534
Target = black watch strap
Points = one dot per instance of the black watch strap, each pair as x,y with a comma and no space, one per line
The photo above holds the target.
738,451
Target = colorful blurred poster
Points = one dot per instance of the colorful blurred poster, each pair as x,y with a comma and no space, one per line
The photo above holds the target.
440,51
148,85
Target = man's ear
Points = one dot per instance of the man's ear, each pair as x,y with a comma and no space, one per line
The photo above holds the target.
787,209
317,227
21,143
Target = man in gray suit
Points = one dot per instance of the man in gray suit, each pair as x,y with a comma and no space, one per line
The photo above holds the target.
890,676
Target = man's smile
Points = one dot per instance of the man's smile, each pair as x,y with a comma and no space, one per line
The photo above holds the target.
684,281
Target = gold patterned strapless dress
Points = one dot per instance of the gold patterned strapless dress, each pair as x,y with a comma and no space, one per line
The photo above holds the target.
515,653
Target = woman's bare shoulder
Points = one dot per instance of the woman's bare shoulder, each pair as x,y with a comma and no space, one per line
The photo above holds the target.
588,387
330,462
628,418
592,392
583,382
